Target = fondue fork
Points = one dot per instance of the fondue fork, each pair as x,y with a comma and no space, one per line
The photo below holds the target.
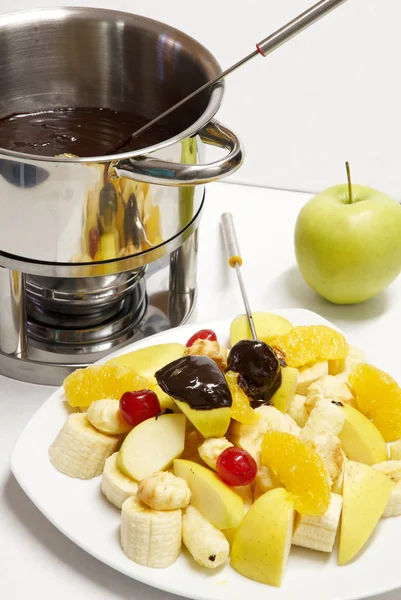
235,261
265,47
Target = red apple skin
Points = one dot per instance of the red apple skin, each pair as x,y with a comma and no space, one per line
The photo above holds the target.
349,253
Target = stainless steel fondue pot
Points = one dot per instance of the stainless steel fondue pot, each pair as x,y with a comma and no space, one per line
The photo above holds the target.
77,233
99,58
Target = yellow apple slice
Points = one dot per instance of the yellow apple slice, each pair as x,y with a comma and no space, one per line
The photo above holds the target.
152,446
221,505
146,361
365,496
286,392
360,439
210,423
262,542
268,327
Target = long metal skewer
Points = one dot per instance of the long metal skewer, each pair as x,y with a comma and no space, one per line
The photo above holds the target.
235,261
265,47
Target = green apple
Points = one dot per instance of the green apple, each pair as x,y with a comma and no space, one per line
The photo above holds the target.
365,496
360,439
286,392
268,326
220,504
347,251
262,543
152,446
146,361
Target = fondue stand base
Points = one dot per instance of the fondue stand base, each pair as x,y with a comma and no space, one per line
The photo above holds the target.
37,353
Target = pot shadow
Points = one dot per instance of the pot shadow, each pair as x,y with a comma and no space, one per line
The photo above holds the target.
98,573
305,297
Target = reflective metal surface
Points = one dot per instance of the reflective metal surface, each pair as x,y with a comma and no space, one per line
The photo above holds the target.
83,295
71,335
77,233
182,211
182,284
297,25
91,338
13,334
76,214
154,170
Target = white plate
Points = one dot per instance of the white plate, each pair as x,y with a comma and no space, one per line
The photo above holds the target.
78,509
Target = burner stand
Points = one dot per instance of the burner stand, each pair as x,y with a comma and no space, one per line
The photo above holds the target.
50,326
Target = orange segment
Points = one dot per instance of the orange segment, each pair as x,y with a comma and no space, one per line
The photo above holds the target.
300,469
84,386
241,410
378,397
308,344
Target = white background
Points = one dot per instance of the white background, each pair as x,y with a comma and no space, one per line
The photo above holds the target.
330,95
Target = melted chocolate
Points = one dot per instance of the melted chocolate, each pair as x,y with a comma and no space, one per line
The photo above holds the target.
196,380
258,368
79,131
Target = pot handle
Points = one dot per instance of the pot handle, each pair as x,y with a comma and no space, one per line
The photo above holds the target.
154,170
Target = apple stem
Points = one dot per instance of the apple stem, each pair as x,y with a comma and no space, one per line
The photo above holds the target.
349,182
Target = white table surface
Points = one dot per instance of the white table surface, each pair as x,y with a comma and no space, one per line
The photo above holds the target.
36,561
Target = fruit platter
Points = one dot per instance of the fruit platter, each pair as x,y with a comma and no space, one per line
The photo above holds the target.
211,465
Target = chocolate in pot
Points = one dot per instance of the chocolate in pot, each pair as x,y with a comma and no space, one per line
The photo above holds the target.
258,368
196,380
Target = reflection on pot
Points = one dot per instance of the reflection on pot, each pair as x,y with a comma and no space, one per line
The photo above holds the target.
120,219
186,199
22,175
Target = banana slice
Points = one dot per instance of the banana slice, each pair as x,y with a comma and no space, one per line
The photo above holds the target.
338,485
392,468
116,486
257,493
328,447
207,545
309,374
266,480
211,449
79,450
329,387
105,416
164,491
321,432
395,450
297,410
246,493
324,418
211,349
250,437
148,537
319,533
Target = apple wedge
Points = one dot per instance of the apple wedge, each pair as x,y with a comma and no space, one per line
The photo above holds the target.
268,326
146,361
200,391
366,493
210,423
360,439
286,392
221,505
262,543
152,446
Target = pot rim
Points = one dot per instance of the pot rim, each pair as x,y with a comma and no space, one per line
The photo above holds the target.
215,99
